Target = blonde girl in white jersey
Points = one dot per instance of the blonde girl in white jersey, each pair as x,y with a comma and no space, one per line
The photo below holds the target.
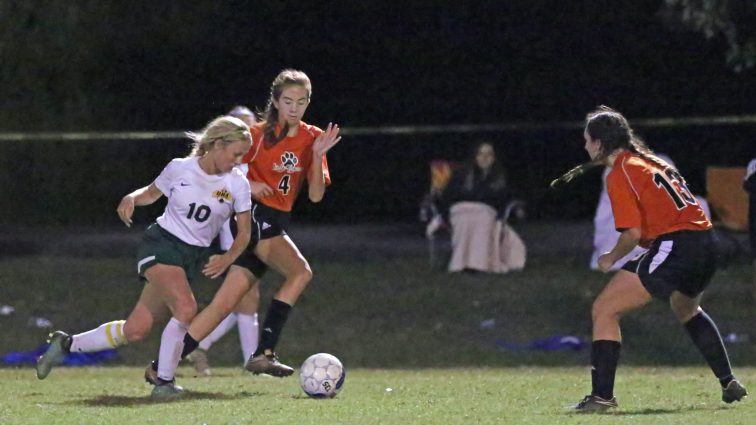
203,190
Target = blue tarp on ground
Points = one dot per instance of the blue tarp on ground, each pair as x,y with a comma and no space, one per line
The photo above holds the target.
20,358
552,343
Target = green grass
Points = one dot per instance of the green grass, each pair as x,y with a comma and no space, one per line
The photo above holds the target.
394,322
539,395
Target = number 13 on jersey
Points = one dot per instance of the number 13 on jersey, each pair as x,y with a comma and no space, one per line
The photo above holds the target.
674,184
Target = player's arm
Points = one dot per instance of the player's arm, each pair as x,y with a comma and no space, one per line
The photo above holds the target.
219,263
143,196
627,241
316,183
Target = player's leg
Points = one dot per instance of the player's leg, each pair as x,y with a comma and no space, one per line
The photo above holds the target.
199,356
222,329
173,288
148,310
282,255
705,335
237,282
234,286
246,312
622,294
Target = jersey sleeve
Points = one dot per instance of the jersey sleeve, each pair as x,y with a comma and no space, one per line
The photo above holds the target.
167,176
624,202
242,193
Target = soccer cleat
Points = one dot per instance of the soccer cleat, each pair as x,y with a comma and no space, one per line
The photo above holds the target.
199,360
54,355
267,363
734,391
594,403
166,390
150,374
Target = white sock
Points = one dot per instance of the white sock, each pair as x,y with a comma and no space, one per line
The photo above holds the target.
105,337
171,345
223,327
249,334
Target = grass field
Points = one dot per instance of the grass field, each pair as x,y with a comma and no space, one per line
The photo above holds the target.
395,322
534,396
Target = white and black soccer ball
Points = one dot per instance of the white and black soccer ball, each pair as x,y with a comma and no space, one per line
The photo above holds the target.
322,376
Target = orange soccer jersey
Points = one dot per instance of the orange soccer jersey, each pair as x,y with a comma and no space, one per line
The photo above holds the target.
283,166
654,198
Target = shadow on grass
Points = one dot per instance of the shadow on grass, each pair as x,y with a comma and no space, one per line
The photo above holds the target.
127,401
651,411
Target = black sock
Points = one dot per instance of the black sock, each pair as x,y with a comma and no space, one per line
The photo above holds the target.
272,326
67,341
705,335
190,344
604,359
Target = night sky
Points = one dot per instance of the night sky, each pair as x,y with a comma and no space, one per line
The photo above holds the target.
173,65
170,65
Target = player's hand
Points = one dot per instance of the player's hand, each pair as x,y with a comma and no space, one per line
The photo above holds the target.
260,190
605,262
216,266
126,209
326,140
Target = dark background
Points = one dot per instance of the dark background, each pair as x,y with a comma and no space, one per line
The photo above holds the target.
169,66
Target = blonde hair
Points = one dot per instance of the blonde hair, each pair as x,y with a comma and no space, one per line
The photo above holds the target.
224,129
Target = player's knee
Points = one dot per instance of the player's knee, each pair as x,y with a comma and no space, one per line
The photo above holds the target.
135,333
185,310
304,276
601,311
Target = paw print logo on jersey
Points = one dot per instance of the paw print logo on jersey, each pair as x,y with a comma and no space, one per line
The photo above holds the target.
289,160
288,164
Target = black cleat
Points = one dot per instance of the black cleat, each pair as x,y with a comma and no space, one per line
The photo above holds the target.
734,391
594,403
267,363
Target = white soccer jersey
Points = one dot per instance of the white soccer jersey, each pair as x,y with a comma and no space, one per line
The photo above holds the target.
199,203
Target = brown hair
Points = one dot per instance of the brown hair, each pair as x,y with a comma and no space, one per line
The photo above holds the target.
285,78
612,130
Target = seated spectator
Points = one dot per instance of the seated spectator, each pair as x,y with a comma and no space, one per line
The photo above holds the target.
479,203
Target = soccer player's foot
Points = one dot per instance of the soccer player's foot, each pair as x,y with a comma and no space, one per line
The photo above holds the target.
268,364
150,374
199,361
734,391
166,390
594,403
54,355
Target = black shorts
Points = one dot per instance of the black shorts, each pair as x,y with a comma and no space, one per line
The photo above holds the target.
681,261
267,223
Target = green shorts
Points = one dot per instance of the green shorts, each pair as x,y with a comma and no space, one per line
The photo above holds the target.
158,246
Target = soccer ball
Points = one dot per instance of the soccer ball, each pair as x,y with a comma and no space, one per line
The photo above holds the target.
321,376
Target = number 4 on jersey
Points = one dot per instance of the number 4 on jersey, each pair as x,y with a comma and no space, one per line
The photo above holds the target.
283,184
676,188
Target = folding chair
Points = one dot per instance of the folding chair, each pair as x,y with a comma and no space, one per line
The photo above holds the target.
726,197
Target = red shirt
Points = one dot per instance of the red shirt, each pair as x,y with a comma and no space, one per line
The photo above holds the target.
283,166
654,198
